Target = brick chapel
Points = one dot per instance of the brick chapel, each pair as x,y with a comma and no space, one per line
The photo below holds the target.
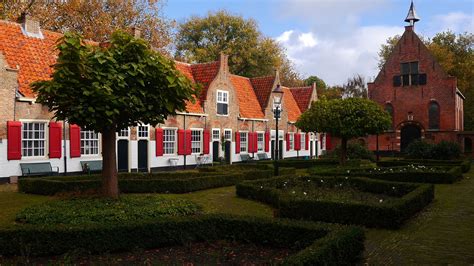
423,100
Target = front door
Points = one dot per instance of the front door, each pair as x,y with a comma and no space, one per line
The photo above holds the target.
215,151
227,152
280,150
409,133
143,155
122,155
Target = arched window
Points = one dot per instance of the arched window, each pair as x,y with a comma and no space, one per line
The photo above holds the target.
389,110
433,116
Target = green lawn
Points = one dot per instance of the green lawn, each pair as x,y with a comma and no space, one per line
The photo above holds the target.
443,233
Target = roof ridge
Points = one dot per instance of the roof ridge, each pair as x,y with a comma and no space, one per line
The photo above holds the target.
262,77
42,29
240,76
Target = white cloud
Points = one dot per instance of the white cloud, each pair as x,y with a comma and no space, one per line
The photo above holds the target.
455,21
336,58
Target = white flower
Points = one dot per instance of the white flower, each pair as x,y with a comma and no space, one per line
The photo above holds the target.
380,200
293,192
348,171
309,180
261,186
322,181
393,188
304,193
347,177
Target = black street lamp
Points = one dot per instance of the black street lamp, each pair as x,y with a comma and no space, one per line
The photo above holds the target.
277,114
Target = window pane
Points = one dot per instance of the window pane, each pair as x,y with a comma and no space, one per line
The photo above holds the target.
433,114
405,68
414,68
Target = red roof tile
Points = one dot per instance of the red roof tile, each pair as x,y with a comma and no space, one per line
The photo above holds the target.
302,96
204,74
263,88
186,70
33,56
248,103
290,105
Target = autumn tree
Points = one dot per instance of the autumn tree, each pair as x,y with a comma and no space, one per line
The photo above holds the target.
251,54
455,53
355,87
345,119
111,87
96,19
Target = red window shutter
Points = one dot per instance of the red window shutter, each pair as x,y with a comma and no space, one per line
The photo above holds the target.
267,141
55,137
287,141
206,142
255,142
237,142
328,142
297,140
306,145
159,141
188,142
75,141
181,142
14,140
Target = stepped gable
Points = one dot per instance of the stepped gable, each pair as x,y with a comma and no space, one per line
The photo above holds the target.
33,56
289,103
263,87
248,104
302,96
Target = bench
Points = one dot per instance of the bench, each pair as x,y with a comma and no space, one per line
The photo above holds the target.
91,166
262,156
37,169
245,158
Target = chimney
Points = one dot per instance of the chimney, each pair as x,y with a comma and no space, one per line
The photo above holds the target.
137,33
30,26
223,63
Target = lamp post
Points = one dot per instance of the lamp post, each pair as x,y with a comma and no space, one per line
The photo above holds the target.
277,115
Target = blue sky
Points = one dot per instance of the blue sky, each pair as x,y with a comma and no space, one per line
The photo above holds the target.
335,39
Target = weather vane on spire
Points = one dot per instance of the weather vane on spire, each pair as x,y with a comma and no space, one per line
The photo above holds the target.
412,17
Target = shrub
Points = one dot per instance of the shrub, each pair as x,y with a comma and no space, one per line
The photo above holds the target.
444,150
465,165
412,198
354,151
90,211
302,163
408,173
316,244
164,182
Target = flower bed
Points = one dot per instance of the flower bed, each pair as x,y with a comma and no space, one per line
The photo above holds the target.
408,173
302,163
464,164
347,200
315,244
164,182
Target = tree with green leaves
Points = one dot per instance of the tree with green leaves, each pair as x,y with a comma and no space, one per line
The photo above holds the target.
455,53
202,39
345,119
355,87
111,87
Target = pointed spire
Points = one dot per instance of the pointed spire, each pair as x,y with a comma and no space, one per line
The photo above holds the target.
412,17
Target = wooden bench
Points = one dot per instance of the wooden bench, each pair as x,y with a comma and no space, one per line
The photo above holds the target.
91,166
262,156
245,158
37,169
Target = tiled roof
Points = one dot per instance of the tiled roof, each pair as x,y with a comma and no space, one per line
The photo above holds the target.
204,74
248,103
290,105
302,96
263,88
33,56
186,70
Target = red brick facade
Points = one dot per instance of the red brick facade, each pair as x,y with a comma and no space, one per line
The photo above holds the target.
410,84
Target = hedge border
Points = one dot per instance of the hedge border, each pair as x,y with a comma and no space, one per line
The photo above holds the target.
385,216
452,175
143,183
318,244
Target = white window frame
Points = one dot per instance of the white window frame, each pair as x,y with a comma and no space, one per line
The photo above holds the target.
200,141
45,139
244,148
121,133
89,140
230,134
174,143
219,134
261,143
303,141
141,132
292,140
222,101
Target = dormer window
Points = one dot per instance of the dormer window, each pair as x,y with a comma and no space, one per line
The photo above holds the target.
222,102
410,75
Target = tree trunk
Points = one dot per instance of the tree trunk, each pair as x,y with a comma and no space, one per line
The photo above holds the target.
342,159
109,162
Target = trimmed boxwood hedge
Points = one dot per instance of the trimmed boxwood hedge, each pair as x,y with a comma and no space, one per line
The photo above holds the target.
164,182
414,197
464,164
302,163
441,175
318,244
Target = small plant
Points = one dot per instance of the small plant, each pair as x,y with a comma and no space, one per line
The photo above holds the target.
444,150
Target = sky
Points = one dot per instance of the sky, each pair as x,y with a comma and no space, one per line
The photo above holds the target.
335,39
